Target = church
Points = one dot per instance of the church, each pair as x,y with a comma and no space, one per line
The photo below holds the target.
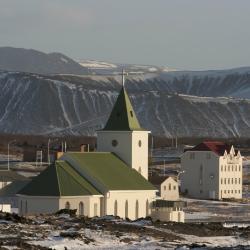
113,180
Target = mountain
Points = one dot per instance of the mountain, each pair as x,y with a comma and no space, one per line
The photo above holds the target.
32,61
187,104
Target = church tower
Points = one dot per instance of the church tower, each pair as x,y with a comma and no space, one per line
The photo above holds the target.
124,136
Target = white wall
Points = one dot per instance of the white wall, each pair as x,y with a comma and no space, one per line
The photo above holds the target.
48,205
168,214
128,148
201,174
5,208
169,190
210,184
131,196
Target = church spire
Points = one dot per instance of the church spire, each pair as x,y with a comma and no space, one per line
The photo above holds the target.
122,117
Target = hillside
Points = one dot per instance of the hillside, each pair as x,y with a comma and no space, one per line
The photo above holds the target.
29,60
189,104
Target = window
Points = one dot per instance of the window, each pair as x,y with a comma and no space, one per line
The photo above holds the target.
114,143
139,170
225,181
137,209
221,168
228,191
235,180
95,209
235,191
147,208
192,155
239,168
225,168
26,207
228,181
239,180
164,187
115,208
131,113
232,191
232,180
174,187
228,168
67,205
81,208
139,143
232,167
239,191
235,167
169,186
126,209
221,181
225,191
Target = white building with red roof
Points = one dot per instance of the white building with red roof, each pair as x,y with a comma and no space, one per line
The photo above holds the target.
212,170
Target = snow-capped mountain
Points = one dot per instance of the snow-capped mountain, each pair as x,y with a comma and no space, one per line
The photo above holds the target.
189,104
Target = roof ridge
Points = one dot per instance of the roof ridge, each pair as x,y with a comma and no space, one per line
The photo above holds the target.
57,177
65,170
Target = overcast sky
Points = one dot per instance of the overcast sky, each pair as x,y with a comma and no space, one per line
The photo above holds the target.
182,34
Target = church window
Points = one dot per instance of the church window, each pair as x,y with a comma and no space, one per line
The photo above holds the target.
67,205
147,208
131,113
26,207
81,208
114,143
115,208
137,209
126,209
139,143
95,209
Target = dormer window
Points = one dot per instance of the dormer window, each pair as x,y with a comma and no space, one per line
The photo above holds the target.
131,113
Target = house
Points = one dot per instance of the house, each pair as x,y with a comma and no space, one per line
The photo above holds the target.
167,186
8,176
212,170
111,181
164,210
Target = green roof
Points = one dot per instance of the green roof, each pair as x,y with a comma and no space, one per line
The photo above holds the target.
108,170
122,117
13,188
59,180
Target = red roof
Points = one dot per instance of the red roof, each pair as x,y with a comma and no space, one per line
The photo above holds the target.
217,147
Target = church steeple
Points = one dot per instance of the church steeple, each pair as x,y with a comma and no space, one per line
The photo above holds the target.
122,117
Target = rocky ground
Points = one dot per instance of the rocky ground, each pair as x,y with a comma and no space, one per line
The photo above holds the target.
70,232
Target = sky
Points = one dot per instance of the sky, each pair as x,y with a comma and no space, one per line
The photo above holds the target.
181,34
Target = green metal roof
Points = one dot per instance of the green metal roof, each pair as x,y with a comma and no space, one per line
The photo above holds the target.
110,171
59,180
13,188
122,117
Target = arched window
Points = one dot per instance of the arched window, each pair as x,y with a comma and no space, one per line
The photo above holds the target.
67,205
115,208
126,209
147,208
26,207
81,208
137,209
